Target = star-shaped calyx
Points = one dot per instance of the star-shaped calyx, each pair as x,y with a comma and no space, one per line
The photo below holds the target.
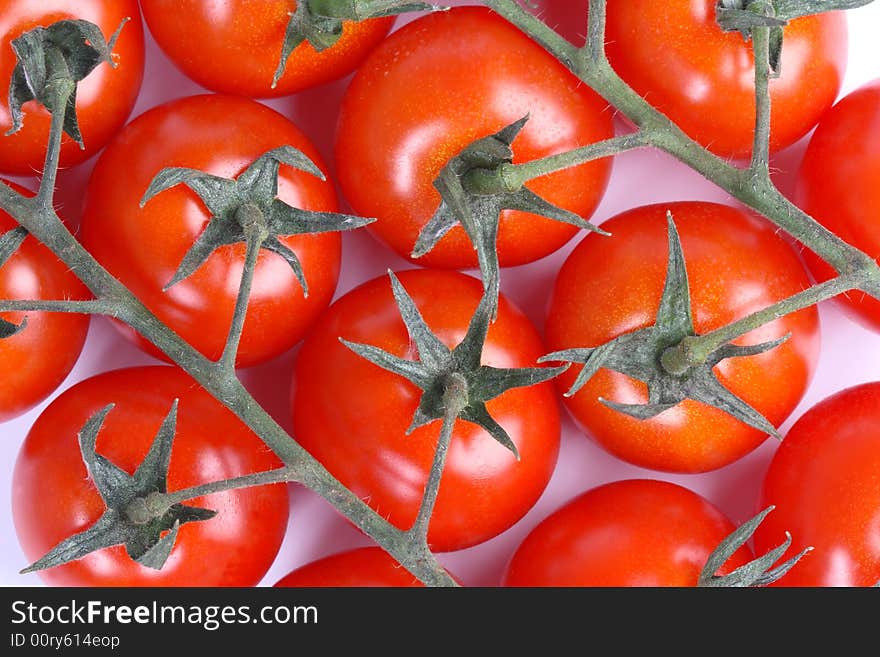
9,243
452,376
65,51
133,516
474,192
759,572
320,22
639,355
247,208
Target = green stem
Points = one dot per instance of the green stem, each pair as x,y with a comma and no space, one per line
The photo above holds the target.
695,350
760,165
256,233
516,175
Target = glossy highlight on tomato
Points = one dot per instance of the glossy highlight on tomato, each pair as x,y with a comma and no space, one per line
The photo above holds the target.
823,482
37,359
736,265
143,247
352,415
676,55
104,99
637,532
839,185
433,87
362,567
53,496
234,46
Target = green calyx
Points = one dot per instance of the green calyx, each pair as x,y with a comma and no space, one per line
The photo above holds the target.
744,16
643,355
474,191
320,22
759,572
247,209
453,376
134,516
48,57
9,243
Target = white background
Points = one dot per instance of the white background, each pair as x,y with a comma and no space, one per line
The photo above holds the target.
850,354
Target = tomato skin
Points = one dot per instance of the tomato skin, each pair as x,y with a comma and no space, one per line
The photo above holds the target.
367,567
351,415
104,99
637,532
823,482
41,356
839,185
676,55
610,286
54,498
420,98
235,48
143,247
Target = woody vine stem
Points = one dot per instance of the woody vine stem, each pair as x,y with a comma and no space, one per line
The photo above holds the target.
751,185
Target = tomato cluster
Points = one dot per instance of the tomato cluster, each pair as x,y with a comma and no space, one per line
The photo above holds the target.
419,95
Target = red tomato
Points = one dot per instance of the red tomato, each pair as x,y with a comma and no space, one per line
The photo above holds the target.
736,265
839,185
38,358
143,247
823,481
638,532
104,99
370,566
675,55
351,415
235,548
234,46
419,100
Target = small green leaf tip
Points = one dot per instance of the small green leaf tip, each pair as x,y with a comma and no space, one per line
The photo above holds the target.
438,366
640,355
148,530
248,208
474,193
320,23
757,573
65,51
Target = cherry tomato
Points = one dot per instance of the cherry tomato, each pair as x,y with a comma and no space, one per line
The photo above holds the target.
352,415
839,185
675,55
104,99
143,247
37,359
53,497
823,481
234,46
433,87
370,566
736,265
638,532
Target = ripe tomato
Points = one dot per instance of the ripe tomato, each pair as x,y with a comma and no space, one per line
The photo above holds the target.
104,99
638,532
435,86
675,55
53,496
143,247
370,566
37,359
839,185
736,265
823,481
234,46
351,415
